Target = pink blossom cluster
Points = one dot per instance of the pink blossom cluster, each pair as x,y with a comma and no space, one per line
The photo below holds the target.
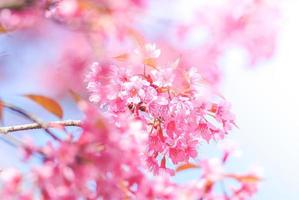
17,14
91,28
171,102
250,26
148,113
107,161
108,26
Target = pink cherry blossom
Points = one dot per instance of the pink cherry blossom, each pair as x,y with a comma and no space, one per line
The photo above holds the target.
153,98
176,120
112,155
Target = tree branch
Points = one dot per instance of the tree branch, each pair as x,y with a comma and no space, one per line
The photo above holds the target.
30,117
22,127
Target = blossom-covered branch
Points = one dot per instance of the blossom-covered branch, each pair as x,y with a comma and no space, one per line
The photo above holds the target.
111,157
8,129
147,114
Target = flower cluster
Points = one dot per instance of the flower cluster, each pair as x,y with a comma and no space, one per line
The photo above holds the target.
111,26
171,103
74,13
148,113
106,161
249,26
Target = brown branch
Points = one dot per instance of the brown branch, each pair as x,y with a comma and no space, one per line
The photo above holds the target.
22,127
29,116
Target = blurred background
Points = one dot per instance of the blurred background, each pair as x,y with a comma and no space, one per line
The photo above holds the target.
265,100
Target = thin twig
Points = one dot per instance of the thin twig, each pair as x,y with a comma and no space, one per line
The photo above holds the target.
22,127
30,117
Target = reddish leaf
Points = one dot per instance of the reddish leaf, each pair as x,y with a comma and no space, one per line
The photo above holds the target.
245,178
1,111
187,166
163,89
208,186
100,124
124,188
214,108
249,179
2,29
151,62
77,98
137,37
122,57
90,5
47,103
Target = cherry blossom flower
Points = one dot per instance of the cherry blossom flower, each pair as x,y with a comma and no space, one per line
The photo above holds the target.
150,104
107,161
176,120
